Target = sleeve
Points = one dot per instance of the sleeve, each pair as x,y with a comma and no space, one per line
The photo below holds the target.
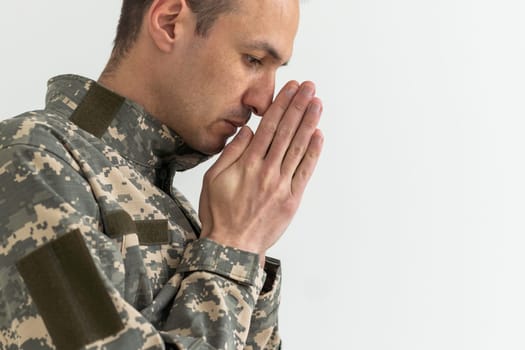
59,288
217,296
264,330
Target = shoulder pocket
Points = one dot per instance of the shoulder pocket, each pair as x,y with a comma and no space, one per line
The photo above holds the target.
69,292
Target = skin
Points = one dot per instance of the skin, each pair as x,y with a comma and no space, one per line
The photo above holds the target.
205,88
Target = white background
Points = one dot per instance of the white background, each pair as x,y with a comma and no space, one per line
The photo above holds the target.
411,234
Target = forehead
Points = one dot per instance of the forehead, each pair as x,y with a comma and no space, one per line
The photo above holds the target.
273,22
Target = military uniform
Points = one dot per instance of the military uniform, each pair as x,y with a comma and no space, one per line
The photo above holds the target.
98,250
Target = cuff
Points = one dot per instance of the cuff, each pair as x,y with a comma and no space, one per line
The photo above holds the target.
208,255
264,329
272,267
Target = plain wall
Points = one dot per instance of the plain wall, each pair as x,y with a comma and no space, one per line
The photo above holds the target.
411,234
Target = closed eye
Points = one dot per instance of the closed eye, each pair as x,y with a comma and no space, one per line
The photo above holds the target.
253,61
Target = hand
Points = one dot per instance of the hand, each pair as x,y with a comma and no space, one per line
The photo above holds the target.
252,192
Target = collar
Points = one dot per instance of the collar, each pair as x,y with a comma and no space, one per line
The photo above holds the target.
120,123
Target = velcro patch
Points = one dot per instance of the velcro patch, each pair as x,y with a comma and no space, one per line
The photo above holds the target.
150,232
96,111
69,292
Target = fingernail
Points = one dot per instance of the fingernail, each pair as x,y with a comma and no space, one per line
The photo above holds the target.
245,132
242,132
307,90
314,107
292,90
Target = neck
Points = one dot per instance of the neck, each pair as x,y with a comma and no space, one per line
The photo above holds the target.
130,77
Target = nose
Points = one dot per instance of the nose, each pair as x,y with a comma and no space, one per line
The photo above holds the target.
259,96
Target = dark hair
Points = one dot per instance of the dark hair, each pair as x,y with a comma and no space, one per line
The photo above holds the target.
133,11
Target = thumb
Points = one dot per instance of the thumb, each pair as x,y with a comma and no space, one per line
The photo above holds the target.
232,152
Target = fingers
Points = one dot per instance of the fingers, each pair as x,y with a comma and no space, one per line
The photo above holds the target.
307,165
302,138
287,136
232,151
289,123
270,122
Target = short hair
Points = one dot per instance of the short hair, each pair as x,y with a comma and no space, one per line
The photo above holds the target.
133,11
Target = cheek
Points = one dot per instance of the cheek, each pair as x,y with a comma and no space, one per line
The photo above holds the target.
224,93
220,85
228,73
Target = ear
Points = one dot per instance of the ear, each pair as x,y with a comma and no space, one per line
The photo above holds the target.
167,21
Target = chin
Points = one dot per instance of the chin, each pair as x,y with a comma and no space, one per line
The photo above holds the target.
212,149
210,144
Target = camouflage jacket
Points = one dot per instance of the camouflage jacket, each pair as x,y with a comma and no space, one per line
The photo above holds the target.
98,250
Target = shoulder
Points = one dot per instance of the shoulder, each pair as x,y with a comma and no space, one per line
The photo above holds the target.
32,128
41,131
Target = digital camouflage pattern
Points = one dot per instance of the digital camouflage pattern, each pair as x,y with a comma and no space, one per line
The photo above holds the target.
98,250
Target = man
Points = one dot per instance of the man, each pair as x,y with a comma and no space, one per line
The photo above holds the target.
98,249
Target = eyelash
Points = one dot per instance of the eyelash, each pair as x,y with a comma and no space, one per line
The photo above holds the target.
253,61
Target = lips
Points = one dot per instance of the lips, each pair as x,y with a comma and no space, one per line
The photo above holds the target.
236,123
240,122
238,119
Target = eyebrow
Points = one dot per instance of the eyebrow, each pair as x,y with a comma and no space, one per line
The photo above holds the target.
265,46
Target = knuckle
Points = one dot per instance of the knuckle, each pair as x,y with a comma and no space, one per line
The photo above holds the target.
304,173
284,131
267,175
250,162
296,151
281,106
310,122
298,106
289,206
313,154
270,181
268,128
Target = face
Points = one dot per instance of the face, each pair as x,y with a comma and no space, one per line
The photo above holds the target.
220,79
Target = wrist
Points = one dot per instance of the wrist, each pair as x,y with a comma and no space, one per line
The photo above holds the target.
235,242
262,260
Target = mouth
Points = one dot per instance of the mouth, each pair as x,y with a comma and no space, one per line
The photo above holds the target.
237,120
240,122
231,127
243,119
236,123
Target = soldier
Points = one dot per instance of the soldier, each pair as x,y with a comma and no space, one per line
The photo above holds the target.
98,249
